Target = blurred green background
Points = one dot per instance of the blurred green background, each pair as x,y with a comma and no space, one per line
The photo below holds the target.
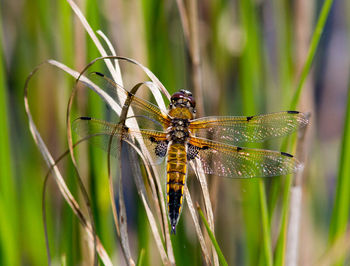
251,56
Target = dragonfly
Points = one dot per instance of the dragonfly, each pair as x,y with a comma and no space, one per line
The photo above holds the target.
176,136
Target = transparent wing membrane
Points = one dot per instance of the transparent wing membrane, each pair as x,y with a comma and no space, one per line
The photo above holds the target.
147,114
236,162
240,129
101,131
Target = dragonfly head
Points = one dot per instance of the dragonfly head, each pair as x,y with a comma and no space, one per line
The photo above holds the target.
184,99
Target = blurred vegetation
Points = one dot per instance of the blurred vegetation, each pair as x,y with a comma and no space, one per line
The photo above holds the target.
251,58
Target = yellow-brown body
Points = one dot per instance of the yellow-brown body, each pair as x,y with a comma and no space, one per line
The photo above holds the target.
178,135
176,178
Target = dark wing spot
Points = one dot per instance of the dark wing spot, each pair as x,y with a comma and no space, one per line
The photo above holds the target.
249,118
161,148
293,112
100,74
192,151
85,118
152,139
239,148
286,154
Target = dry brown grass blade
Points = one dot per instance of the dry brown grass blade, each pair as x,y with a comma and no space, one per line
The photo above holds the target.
295,203
166,259
157,197
58,177
209,210
164,215
124,237
157,85
89,30
293,226
197,226
112,52
122,217
184,20
136,168
195,55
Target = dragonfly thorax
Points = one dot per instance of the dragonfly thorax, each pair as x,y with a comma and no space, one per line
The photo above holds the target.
178,131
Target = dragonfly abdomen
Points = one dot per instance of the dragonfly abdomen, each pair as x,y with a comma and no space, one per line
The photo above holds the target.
176,178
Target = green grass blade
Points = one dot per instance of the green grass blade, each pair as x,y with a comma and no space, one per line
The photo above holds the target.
312,50
251,75
222,259
342,201
281,244
265,223
9,244
140,260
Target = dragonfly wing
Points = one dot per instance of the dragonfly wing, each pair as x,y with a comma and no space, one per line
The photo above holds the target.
100,133
241,129
236,162
147,114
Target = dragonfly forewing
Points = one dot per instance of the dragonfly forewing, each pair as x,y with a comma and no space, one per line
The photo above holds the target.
147,114
247,129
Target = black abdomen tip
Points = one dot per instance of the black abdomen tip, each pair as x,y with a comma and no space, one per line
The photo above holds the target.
293,112
85,118
174,206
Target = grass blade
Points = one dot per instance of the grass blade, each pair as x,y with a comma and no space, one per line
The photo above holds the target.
342,199
212,237
8,215
327,4
142,192
206,196
281,245
196,224
58,177
141,257
265,223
